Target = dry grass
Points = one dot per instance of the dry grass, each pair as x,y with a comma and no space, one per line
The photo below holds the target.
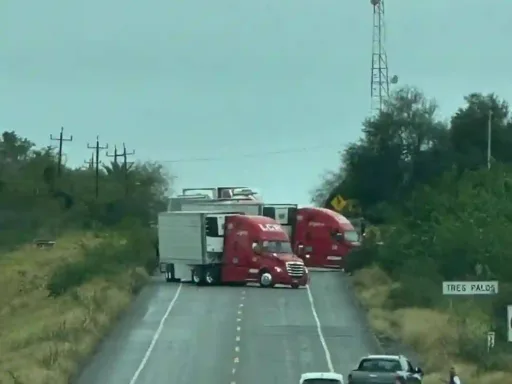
431,333
41,338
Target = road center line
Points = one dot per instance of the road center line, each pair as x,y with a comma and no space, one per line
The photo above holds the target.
319,330
155,337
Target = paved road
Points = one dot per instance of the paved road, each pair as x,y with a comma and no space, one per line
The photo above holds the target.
231,335
280,337
195,345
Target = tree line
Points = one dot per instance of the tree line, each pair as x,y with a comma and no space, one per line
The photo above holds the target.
425,182
40,197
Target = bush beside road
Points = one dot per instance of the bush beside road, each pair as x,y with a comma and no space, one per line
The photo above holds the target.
57,303
440,337
444,213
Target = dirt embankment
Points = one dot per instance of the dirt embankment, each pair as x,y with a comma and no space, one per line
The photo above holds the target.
432,334
43,338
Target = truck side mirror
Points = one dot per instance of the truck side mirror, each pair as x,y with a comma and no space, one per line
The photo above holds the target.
256,248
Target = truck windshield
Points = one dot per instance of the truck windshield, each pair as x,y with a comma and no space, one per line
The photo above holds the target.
277,246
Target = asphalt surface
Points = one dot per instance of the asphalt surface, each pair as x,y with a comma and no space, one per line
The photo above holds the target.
233,335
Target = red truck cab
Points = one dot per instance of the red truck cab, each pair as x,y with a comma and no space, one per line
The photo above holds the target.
323,238
257,249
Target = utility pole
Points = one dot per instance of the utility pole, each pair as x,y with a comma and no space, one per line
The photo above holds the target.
126,165
61,139
489,137
97,149
90,162
115,155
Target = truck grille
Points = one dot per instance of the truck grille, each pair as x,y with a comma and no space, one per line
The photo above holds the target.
295,269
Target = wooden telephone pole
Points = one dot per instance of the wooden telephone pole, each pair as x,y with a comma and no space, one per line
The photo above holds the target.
60,139
97,149
126,165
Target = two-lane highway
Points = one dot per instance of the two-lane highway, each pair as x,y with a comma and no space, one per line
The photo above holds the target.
173,334
288,332
234,335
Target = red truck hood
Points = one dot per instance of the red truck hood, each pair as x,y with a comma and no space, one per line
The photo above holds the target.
289,257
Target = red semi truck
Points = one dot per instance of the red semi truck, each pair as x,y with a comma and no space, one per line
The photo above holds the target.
321,237
225,247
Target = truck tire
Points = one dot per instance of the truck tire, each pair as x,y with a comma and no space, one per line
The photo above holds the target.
295,286
211,276
266,280
197,276
169,274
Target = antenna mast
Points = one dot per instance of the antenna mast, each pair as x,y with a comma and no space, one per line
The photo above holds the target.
379,85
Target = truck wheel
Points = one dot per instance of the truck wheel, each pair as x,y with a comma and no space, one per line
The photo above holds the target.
197,276
211,276
295,286
266,280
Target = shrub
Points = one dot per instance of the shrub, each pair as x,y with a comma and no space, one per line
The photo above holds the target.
103,260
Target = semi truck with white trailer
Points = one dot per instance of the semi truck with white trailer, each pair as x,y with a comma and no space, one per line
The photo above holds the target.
321,237
210,248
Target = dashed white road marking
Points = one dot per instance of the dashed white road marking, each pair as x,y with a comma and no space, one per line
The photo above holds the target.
155,337
236,360
319,330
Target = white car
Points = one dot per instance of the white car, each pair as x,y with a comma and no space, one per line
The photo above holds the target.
321,378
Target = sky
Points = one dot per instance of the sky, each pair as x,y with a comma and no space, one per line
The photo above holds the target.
261,93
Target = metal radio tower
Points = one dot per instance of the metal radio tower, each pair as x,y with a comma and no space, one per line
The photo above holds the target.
380,78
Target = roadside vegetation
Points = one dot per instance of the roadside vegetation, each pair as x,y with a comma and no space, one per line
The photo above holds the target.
58,301
440,215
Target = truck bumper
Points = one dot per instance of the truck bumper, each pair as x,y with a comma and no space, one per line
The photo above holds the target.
285,279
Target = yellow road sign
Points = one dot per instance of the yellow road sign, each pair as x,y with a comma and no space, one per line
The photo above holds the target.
338,203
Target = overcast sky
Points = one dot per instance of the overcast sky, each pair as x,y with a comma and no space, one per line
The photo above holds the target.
223,79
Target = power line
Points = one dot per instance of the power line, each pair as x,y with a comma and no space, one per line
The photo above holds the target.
60,139
246,155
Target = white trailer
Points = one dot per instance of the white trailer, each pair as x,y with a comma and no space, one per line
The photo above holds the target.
187,239
284,214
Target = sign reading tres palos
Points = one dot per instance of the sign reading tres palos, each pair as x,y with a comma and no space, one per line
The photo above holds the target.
470,287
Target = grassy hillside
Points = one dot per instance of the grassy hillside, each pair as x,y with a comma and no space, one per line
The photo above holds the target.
440,336
57,303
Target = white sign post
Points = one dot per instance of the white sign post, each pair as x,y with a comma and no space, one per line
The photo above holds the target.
509,322
491,338
470,287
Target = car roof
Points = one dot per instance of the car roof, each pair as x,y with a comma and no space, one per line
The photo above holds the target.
388,357
321,375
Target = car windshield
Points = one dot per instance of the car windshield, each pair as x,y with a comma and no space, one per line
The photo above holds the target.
380,365
352,236
277,246
321,381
